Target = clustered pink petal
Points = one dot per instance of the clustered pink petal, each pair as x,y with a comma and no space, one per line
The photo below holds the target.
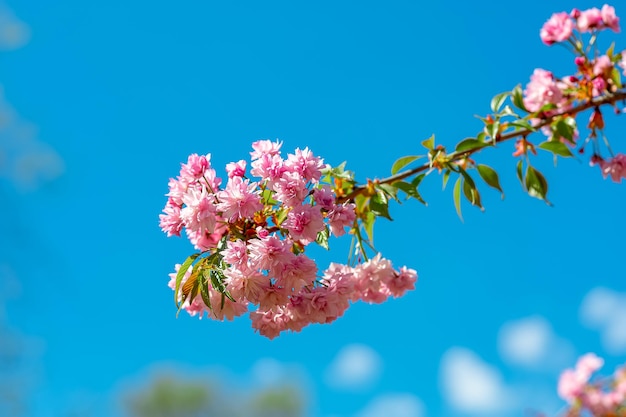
589,19
252,236
557,29
609,18
541,90
614,167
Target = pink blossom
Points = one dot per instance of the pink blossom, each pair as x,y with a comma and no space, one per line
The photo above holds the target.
341,216
248,286
589,19
270,323
236,169
319,305
557,29
609,18
291,189
614,167
371,277
571,384
273,296
269,253
541,90
265,147
239,199
203,240
170,222
306,164
324,197
588,364
304,223
602,65
199,212
228,309
297,273
599,86
236,254
177,188
269,168
196,166
398,284
342,279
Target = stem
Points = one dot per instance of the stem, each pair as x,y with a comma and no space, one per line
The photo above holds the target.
455,156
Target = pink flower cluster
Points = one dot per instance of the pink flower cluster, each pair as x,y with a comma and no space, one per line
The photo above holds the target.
254,234
614,167
560,26
582,395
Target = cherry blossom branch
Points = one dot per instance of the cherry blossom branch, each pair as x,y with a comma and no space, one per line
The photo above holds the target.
610,99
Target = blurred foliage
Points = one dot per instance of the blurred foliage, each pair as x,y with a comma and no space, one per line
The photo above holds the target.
173,396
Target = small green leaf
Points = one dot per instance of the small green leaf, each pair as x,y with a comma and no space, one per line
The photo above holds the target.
469,144
498,101
379,205
456,195
429,143
418,179
446,176
404,161
518,98
565,128
181,273
368,224
536,184
389,190
522,124
490,176
204,288
471,193
556,147
322,238
616,76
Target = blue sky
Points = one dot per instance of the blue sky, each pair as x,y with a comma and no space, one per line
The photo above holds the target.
107,98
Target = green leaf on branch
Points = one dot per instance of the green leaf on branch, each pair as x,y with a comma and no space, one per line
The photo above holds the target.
557,148
204,288
410,189
490,176
444,180
523,124
404,161
470,144
536,184
181,273
456,195
565,128
368,224
429,143
471,193
379,205
518,98
498,101
322,238
389,190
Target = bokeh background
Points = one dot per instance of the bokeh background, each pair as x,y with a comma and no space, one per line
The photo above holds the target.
100,103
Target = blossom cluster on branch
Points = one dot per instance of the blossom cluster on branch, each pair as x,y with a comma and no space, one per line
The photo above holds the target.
600,398
252,237
252,233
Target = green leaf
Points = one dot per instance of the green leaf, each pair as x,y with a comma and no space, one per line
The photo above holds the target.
522,124
429,143
379,205
368,224
565,128
456,195
556,147
616,76
204,288
418,179
322,238
404,161
536,184
518,98
445,177
181,273
490,176
520,177
471,193
469,144
389,190
498,101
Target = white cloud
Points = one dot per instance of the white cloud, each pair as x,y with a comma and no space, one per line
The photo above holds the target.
13,32
531,342
471,385
24,160
393,405
605,310
355,367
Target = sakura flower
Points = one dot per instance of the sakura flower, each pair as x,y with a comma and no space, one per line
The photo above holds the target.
238,200
589,19
557,29
236,169
609,19
291,189
270,323
199,212
305,164
341,216
324,197
602,65
615,167
304,223
541,90
170,222
196,166
398,284
265,147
